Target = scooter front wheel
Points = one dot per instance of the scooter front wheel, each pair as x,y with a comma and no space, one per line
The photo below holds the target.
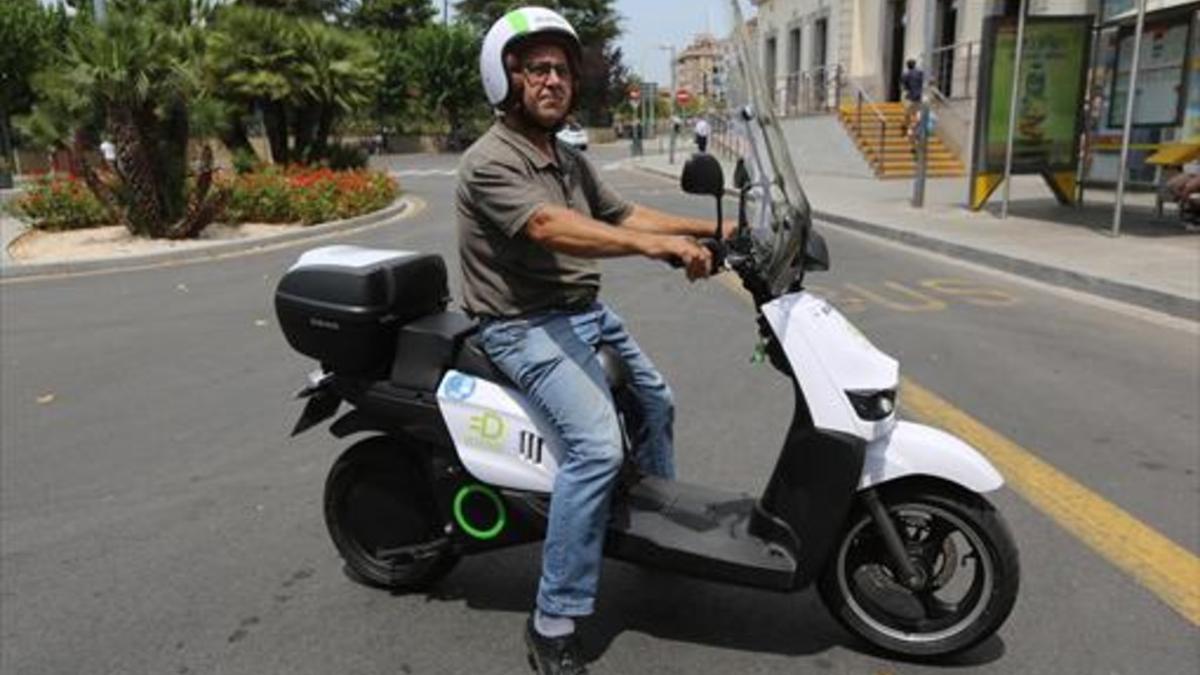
381,515
966,561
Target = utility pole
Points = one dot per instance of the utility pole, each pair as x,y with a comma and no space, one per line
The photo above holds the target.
100,11
1133,77
445,12
674,93
1012,109
918,198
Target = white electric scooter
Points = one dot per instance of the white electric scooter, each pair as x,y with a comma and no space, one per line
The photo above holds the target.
886,517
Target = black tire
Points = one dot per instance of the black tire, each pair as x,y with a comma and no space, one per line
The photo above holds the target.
381,514
861,591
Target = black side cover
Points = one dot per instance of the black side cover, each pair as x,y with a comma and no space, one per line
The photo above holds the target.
810,492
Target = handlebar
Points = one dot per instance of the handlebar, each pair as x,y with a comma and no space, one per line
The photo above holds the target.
716,248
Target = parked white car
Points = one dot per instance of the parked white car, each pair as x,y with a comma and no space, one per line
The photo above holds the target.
574,135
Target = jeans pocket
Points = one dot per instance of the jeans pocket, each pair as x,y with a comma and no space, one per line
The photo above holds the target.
499,337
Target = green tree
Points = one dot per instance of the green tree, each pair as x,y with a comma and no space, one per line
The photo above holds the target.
254,62
338,73
439,64
319,9
139,73
302,75
393,15
32,35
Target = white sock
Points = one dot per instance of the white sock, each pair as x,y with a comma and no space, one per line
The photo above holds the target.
552,626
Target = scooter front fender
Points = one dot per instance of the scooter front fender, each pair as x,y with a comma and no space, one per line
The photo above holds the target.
917,450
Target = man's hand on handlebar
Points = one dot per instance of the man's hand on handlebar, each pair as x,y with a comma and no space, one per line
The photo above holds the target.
684,252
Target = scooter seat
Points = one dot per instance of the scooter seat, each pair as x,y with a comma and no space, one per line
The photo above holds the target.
473,361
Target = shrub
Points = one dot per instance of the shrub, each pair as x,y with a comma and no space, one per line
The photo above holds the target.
269,195
60,202
346,157
244,161
307,195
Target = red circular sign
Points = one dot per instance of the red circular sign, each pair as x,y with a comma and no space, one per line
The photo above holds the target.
635,94
683,97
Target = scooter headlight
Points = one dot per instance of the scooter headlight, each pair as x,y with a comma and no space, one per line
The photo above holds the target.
873,405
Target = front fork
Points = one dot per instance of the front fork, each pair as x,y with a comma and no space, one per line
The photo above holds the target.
909,574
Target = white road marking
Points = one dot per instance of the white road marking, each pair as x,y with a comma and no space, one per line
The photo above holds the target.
409,173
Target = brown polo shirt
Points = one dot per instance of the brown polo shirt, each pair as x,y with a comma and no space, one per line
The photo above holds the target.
502,181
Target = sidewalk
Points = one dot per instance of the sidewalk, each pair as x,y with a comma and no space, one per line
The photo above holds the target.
1155,263
10,228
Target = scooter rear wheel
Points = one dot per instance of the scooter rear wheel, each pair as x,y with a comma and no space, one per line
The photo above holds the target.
966,558
382,517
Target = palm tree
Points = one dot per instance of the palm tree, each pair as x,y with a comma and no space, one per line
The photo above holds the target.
253,60
339,72
138,72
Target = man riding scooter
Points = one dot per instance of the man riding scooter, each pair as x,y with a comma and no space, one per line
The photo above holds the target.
533,217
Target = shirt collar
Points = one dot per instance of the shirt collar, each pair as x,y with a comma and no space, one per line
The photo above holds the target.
526,147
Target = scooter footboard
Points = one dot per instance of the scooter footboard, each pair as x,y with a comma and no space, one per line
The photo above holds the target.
917,450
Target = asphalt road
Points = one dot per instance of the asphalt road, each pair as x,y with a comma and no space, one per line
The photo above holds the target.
156,518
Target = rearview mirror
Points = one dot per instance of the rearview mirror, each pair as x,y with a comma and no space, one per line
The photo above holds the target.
741,177
816,253
702,175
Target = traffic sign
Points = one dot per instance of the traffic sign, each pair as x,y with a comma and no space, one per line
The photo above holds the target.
635,94
683,97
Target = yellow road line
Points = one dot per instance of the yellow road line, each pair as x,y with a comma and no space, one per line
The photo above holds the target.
1168,570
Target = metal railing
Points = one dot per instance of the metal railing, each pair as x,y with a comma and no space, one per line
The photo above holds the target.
807,92
952,67
862,99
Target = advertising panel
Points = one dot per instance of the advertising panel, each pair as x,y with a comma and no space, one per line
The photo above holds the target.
1049,95
1161,85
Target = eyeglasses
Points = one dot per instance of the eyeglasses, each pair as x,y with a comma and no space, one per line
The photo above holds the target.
540,71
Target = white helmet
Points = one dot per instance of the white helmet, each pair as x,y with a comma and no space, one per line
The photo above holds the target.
513,28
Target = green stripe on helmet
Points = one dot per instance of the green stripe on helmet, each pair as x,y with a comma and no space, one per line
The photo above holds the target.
518,21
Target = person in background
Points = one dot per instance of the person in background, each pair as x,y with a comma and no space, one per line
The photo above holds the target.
912,82
702,133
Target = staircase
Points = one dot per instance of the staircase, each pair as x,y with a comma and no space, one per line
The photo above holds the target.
893,155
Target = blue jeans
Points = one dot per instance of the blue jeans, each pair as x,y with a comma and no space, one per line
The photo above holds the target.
551,356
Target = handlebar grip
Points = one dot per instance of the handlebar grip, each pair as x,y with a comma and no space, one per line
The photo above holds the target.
717,249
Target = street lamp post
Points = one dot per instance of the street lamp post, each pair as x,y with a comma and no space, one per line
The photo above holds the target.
671,143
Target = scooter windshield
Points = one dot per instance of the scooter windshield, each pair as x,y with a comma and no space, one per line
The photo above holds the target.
777,210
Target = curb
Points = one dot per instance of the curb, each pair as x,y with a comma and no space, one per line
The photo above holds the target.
10,270
1161,301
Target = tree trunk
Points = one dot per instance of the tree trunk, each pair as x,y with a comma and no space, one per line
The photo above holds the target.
235,137
324,126
304,121
275,120
204,206
172,159
137,170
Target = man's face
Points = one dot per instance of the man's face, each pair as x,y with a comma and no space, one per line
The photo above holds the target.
548,83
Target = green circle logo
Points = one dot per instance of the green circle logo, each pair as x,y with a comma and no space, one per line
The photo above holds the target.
479,533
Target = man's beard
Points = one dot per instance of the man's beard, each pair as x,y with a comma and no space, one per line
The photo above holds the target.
530,120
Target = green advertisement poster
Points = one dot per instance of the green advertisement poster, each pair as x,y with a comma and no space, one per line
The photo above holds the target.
1050,93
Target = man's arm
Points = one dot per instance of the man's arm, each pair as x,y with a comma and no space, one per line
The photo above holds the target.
568,231
645,219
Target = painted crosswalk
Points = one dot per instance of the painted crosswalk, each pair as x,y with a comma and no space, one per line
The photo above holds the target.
411,173
428,173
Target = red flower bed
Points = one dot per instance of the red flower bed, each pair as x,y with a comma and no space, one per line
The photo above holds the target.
59,202
268,195
307,195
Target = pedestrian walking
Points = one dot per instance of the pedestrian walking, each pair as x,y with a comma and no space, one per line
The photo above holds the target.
702,132
912,82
